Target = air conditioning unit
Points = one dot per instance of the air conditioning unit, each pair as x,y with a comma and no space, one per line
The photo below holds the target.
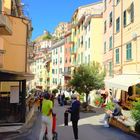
134,36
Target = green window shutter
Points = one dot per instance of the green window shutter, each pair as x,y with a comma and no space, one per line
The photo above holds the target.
110,19
88,58
132,12
81,58
128,51
88,42
117,56
118,24
124,18
110,42
110,68
104,47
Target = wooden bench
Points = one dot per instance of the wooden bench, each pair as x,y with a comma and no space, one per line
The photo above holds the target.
119,123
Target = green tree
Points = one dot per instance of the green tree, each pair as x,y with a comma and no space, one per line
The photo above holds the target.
87,78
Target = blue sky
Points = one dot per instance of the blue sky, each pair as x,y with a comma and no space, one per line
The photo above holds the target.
46,14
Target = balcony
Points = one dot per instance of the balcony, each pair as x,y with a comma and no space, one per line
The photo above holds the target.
67,74
5,25
73,50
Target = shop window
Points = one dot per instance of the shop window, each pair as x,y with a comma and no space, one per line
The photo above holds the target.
138,89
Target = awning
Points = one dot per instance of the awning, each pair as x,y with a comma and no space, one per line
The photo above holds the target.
123,82
12,75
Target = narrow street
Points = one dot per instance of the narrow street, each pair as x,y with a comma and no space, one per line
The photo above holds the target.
89,128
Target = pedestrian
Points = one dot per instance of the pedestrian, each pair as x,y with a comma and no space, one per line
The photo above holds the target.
63,99
117,111
58,99
75,114
47,107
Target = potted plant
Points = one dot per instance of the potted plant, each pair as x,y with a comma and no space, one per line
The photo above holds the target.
135,112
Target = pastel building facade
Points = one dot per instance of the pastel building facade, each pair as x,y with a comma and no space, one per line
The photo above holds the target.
87,34
108,37
39,64
14,71
125,56
57,50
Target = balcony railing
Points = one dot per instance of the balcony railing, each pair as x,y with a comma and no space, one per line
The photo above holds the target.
5,25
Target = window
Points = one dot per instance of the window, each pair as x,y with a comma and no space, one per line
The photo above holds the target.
105,5
105,27
124,18
53,72
78,58
60,49
85,59
88,58
132,12
66,60
60,60
79,42
118,24
117,1
110,68
129,51
82,40
110,43
56,51
85,45
104,47
89,26
117,55
110,19
138,89
81,58
89,42
56,61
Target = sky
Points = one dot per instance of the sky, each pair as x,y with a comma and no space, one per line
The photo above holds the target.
47,14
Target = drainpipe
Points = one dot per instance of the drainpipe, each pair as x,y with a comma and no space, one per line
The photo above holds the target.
113,37
121,36
27,28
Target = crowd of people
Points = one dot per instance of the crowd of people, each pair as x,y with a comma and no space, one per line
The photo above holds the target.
45,104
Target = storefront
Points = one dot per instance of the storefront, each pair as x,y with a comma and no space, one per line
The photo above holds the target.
126,88
12,97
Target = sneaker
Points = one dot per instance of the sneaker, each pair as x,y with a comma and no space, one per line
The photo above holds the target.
106,124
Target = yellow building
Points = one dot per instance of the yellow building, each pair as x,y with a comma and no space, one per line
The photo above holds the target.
13,61
86,37
126,49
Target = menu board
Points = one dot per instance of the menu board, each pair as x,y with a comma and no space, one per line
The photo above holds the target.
14,94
